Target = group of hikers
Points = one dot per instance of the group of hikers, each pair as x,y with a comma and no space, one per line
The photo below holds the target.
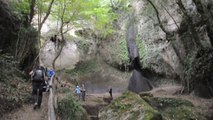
40,82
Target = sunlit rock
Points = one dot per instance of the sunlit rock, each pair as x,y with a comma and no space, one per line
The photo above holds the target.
69,56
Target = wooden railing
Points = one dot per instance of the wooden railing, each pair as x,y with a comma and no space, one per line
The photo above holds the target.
51,101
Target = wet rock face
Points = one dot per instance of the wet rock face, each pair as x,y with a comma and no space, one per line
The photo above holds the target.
165,54
138,83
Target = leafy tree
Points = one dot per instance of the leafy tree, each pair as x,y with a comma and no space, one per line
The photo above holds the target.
84,14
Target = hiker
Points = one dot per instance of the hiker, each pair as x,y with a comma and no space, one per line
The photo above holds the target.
78,92
83,92
50,73
110,93
54,39
38,79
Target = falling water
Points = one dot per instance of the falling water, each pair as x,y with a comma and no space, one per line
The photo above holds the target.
137,83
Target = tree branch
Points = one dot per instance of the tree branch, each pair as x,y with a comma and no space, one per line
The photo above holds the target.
194,33
47,14
158,17
32,11
205,18
171,17
62,36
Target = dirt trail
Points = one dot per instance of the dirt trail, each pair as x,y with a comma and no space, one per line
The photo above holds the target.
27,113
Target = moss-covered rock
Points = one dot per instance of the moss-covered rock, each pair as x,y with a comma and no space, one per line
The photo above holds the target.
174,108
129,107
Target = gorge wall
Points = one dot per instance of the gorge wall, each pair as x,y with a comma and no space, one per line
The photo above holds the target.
173,36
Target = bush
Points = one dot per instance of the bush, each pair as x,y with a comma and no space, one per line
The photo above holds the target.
70,109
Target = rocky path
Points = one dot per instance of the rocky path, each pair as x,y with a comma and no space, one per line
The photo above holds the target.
26,112
94,102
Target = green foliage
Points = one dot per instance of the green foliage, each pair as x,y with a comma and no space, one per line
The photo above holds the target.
141,47
70,109
41,6
20,9
83,45
81,13
14,89
103,19
63,90
122,51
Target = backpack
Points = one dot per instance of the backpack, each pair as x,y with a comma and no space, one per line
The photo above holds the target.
38,75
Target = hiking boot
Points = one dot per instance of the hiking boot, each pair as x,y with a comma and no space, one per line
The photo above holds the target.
35,105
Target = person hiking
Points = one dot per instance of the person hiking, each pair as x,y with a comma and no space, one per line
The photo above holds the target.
50,73
110,93
38,79
83,92
78,92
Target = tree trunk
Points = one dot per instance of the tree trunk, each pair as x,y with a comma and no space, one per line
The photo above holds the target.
206,18
194,33
32,11
62,42
41,22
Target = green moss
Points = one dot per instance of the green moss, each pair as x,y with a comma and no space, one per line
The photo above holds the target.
172,102
134,115
130,106
173,108
178,113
